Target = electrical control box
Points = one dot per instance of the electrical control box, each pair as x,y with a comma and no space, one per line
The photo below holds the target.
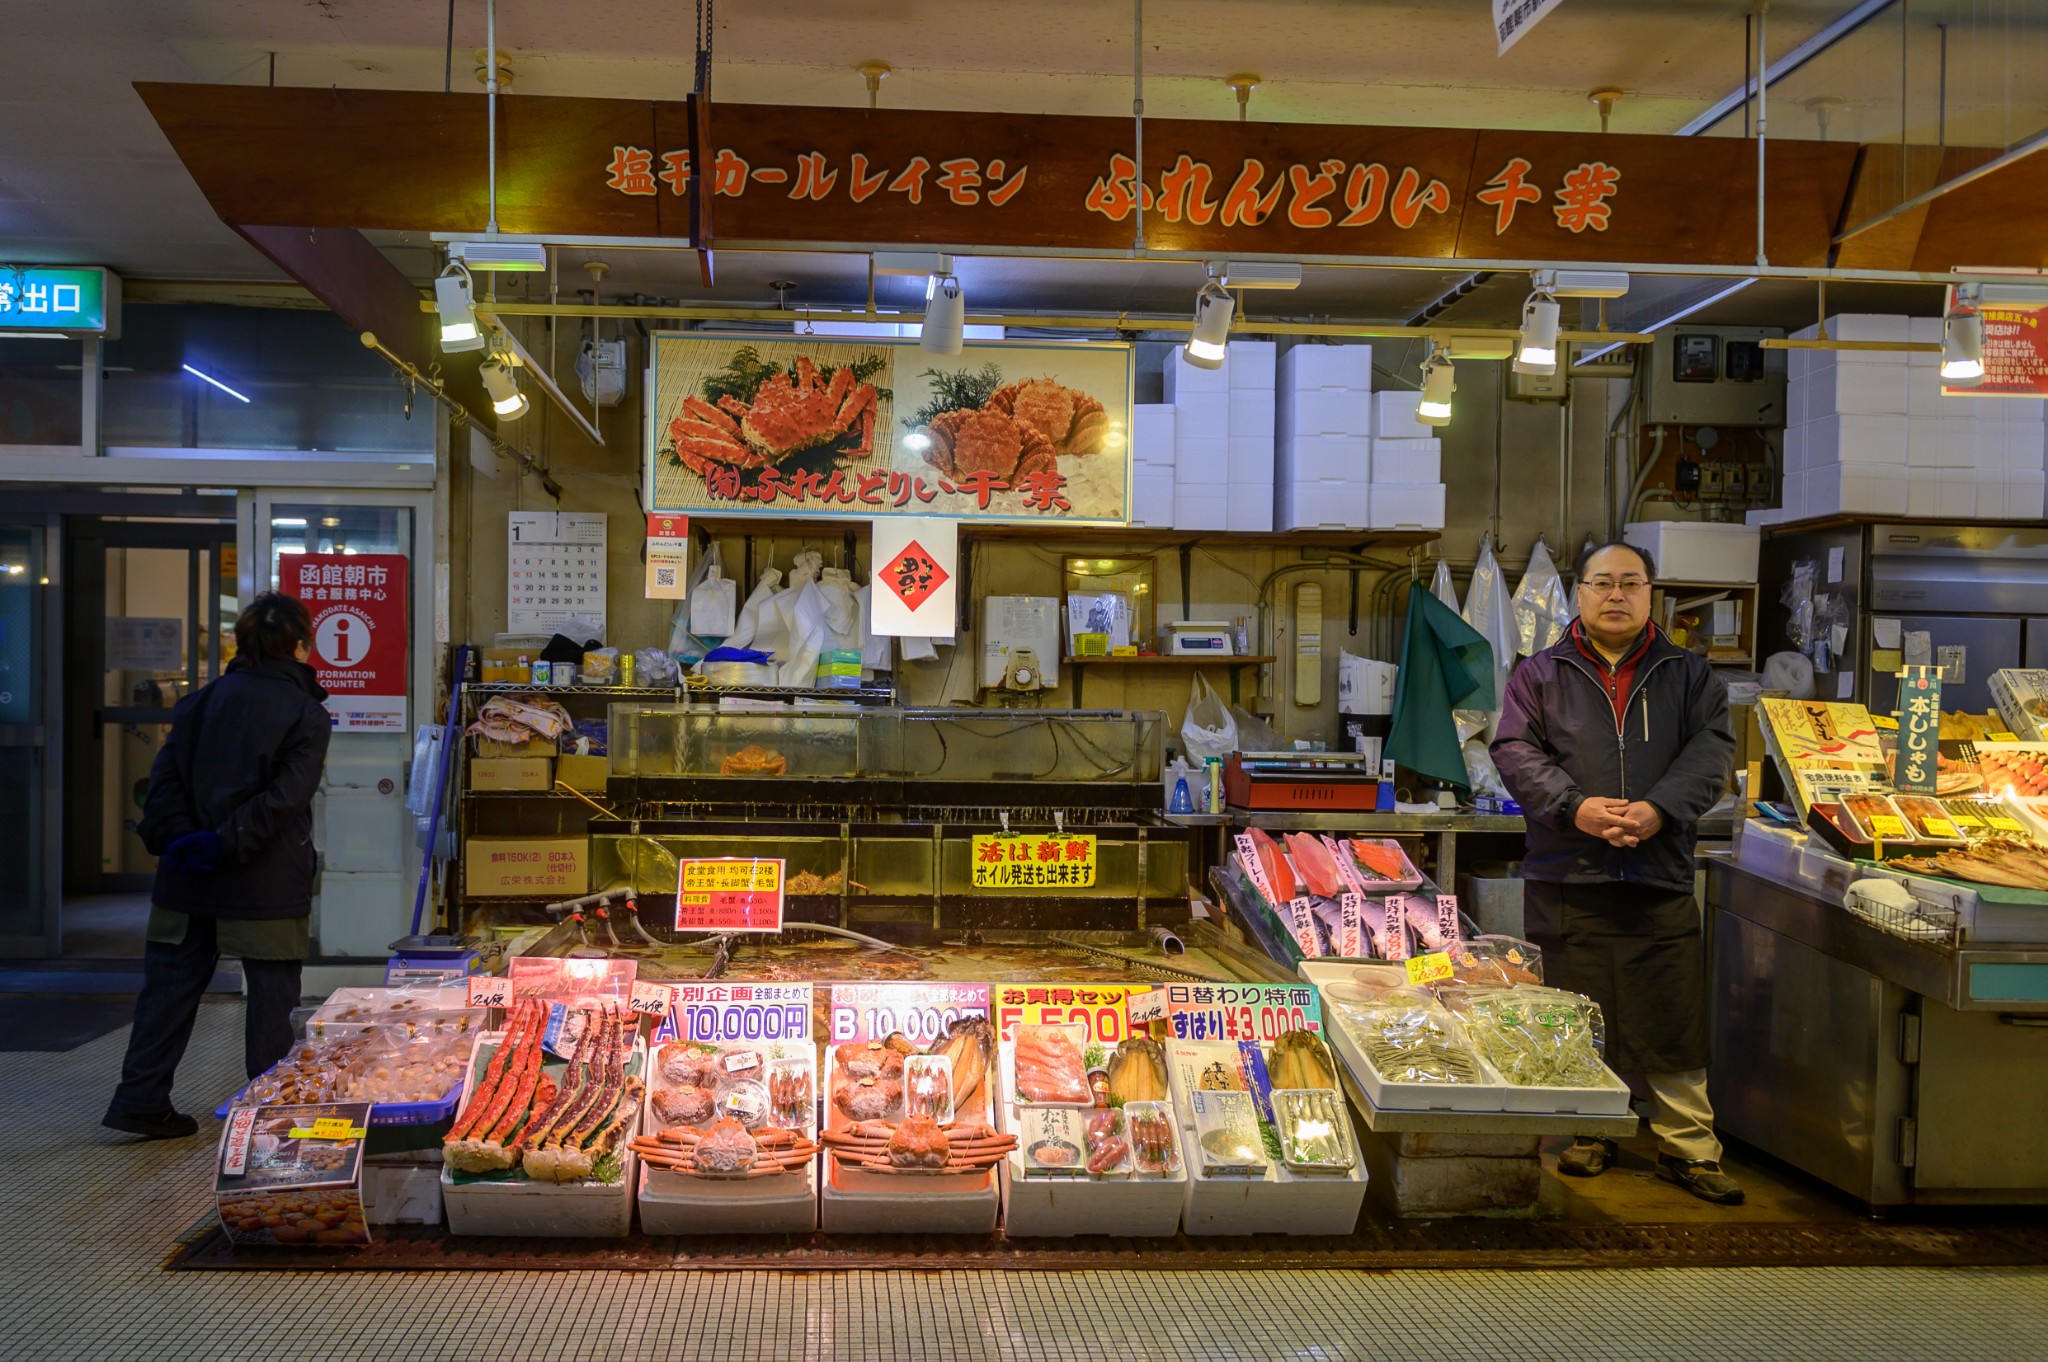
1714,376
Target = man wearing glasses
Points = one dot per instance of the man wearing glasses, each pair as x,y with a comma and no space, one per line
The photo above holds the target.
1615,741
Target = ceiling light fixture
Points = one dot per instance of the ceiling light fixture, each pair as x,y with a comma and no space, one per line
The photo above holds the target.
209,378
1439,381
1255,274
503,385
523,255
1537,353
1962,341
457,306
1210,341
945,316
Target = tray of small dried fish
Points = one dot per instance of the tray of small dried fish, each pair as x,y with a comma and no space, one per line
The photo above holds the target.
1408,1051
1545,1044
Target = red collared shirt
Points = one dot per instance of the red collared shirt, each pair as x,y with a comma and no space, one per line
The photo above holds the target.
1617,678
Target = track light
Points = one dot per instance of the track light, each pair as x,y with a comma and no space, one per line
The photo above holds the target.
457,306
1962,348
1211,339
1537,353
1439,381
503,386
945,316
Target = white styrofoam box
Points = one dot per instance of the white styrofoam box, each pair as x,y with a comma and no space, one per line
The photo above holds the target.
2031,410
1987,444
1250,507
1152,500
1326,505
1316,458
1152,434
1406,460
1183,378
1863,389
1922,484
1201,415
1856,488
1856,439
1250,460
1793,454
1200,460
1923,441
1955,493
1205,510
2025,445
1309,365
1793,500
1868,326
1770,515
1795,399
1251,414
1393,416
2023,496
1924,331
1697,551
402,1189
1957,447
1251,365
1324,411
1407,505
1923,394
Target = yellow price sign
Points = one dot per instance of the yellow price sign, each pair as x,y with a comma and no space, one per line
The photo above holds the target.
330,1128
1033,861
1428,969
1941,827
1884,825
2004,824
2003,737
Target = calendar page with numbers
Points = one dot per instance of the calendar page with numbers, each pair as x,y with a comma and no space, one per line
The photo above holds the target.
557,569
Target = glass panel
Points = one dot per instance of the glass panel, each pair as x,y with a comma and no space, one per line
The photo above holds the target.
280,379
40,395
156,654
21,703
21,840
310,527
21,618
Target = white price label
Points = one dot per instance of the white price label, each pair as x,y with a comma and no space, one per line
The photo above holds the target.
1351,926
490,990
651,999
1303,913
1248,856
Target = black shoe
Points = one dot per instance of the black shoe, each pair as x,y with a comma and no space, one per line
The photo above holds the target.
1702,1177
1587,1158
172,1125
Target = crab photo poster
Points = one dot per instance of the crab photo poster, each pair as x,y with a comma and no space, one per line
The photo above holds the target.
827,426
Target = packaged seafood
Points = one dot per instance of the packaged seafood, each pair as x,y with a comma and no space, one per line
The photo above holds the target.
1109,1143
1298,1059
2019,770
1313,1130
1382,864
928,1087
1155,1143
564,1127
1137,1072
1407,1039
965,1047
1052,1139
1928,819
1535,1037
1986,820
1314,864
1227,1134
1874,818
1278,871
1505,961
1049,1064
2012,865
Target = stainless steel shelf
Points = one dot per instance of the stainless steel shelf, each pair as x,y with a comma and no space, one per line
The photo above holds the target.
1292,820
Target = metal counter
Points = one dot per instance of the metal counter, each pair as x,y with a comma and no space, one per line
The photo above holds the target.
1900,1071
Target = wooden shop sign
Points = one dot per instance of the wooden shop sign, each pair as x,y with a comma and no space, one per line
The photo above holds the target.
789,176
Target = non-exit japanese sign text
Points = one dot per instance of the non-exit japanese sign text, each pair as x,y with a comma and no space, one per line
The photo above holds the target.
1024,861
729,894
359,634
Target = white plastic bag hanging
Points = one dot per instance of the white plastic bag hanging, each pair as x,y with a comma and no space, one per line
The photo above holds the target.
842,612
917,649
747,632
1488,610
713,596
1542,607
800,612
1208,730
1441,587
877,651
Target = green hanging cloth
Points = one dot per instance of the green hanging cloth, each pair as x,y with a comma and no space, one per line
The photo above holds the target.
1446,665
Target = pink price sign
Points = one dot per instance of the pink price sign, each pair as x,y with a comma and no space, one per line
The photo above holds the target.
729,894
921,1011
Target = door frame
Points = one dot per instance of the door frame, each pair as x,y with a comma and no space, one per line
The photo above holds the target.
46,737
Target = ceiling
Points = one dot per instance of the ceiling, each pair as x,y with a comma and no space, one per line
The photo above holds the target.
86,176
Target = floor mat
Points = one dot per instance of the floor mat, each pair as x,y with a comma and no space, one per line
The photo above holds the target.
55,1023
1413,1244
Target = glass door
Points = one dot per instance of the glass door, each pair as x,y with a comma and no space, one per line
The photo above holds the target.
28,770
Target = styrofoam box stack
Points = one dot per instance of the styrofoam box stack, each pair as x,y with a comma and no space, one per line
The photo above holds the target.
1869,432
1152,464
1407,466
1250,458
1201,443
1323,416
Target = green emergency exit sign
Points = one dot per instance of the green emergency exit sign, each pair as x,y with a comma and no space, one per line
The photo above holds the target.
82,301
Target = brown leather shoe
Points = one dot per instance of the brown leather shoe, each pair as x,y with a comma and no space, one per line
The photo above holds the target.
1587,1158
1702,1177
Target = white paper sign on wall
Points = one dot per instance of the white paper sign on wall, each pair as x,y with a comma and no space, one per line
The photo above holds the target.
1513,18
916,569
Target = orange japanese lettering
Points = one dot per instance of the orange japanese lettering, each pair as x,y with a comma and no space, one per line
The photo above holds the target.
1507,191
729,173
631,171
1410,198
1365,195
860,186
961,181
1582,203
813,181
1184,192
1309,191
1244,206
675,171
1115,195
1006,191
910,181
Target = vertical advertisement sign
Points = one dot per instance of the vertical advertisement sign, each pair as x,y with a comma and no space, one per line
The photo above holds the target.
360,642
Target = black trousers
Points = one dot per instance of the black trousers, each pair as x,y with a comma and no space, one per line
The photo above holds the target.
1635,950
174,979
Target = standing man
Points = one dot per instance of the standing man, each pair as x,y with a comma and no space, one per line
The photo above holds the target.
1615,741
229,817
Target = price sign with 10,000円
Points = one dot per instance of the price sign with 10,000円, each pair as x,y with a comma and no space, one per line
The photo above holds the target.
921,1011
729,894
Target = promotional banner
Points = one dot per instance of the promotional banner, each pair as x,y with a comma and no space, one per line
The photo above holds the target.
1005,431
360,643
2015,352
916,564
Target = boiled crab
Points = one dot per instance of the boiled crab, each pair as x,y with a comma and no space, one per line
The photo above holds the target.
919,1145
965,442
790,413
1070,419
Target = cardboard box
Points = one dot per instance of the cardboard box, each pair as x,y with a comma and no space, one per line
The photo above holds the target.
583,773
509,666
511,773
481,746
512,867
2021,695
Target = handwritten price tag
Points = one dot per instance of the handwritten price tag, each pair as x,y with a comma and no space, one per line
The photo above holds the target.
1428,969
650,999
490,990
1248,857
1304,917
1149,1006
1351,926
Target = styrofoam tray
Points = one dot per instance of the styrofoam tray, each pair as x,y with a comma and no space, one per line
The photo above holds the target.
1058,1206
1609,1099
671,1203
1280,1202
1391,1096
851,1201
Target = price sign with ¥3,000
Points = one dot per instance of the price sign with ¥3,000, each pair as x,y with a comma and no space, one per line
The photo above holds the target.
1033,861
1256,1012
729,894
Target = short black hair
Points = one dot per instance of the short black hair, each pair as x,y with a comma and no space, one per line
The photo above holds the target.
274,625
1586,556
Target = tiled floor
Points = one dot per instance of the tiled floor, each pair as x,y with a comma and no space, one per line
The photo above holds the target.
89,1217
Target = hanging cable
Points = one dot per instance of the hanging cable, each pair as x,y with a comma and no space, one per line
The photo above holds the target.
491,103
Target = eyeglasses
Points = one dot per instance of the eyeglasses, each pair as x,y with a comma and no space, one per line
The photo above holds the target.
1607,586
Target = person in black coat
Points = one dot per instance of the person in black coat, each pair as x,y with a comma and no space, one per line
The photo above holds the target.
229,817
1615,742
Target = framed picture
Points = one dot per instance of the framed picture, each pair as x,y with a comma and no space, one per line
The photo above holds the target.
1109,604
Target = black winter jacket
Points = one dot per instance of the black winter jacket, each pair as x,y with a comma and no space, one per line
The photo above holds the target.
243,760
1558,744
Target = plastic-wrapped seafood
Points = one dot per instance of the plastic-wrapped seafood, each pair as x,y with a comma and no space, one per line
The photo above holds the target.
687,1064
1137,1072
1299,1059
967,1044
1050,1064
684,1105
1155,1144
1312,1131
1535,1037
1409,1040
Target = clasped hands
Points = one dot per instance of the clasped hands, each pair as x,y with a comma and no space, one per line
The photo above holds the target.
1617,821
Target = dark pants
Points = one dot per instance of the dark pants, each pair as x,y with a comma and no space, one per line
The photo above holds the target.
1635,950
174,978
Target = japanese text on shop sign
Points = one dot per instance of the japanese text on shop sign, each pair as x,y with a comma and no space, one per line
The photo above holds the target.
1241,1012
1917,768
1103,1008
1043,491
732,894
34,299
923,1012
914,575
1021,861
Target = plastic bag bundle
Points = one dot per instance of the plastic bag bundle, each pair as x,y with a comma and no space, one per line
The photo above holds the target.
712,598
1487,610
1535,1037
1408,1037
1497,961
1541,605
1207,730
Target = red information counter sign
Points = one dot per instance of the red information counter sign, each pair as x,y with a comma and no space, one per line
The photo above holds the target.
359,634
729,894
